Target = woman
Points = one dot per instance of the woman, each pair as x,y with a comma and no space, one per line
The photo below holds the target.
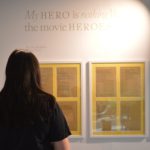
30,119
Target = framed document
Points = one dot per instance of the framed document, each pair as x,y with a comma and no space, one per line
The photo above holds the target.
117,99
66,82
63,80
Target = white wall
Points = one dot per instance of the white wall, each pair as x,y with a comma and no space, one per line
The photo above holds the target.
115,31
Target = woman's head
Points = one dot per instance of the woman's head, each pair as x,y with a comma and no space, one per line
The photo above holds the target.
22,71
21,99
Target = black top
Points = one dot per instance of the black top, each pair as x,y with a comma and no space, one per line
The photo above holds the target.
37,137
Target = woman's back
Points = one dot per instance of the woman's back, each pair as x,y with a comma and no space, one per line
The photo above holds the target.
26,127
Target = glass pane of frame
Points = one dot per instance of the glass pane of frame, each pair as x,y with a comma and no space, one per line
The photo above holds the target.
70,112
131,115
105,81
67,82
47,79
106,116
130,81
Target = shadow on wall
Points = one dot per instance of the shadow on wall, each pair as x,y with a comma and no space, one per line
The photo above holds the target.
148,137
146,3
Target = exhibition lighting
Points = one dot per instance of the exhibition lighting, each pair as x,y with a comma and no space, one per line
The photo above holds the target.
128,28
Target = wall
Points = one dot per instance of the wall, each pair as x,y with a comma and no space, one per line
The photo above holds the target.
92,30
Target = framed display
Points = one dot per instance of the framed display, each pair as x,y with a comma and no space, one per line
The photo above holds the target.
117,99
63,80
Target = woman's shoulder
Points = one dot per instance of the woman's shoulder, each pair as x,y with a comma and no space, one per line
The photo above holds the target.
48,98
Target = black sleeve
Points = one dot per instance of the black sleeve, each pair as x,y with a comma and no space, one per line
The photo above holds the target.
59,128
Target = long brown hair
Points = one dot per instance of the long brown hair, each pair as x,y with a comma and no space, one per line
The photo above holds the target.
20,98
